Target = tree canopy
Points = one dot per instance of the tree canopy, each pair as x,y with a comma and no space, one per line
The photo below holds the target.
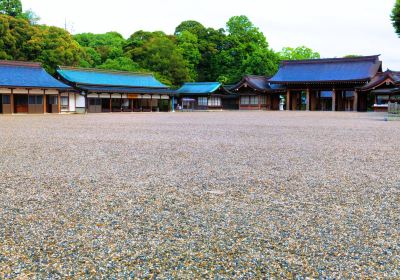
193,53
298,53
396,17
11,7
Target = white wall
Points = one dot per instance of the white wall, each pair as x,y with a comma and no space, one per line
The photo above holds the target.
80,101
72,102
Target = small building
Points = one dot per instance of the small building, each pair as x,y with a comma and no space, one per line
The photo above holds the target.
256,93
327,84
118,91
26,88
201,96
384,88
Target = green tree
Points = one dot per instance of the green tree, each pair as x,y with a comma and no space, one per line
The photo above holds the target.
298,53
245,50
11,7
107,46
159,53
189,45
53,46
14,33
395,17
121,63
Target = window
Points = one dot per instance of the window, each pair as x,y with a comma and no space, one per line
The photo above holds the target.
263,99
32,100
382,99
53,100
214,102
254,100
39,100
6,99
245,100
94,101
35,99
64,102
202,101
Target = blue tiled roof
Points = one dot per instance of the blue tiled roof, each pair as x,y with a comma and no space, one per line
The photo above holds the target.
108,78
27,74
199,88
328,70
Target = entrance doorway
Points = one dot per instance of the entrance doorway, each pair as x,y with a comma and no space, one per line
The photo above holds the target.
105,105
21,103
52,104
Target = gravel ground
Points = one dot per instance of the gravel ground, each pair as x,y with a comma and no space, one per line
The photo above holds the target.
200,195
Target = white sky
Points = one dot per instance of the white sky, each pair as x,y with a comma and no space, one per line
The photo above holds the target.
333,28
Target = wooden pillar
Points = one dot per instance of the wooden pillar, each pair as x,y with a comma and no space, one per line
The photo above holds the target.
288,100
308,100
12,101
355,103
110,104
59,102
44,103
333,100
151,103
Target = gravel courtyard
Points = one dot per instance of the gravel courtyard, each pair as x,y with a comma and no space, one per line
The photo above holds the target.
200,195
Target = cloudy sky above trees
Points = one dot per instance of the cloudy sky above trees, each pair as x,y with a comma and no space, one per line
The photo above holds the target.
333,28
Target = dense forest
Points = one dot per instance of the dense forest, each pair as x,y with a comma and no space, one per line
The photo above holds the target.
193,53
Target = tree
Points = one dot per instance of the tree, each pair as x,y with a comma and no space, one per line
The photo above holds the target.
121,63
189,45
14,33
245,50
159,53
53,46
396,17
298,53
11,7
106,46
30,16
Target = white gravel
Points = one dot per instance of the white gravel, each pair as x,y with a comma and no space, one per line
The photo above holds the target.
194,195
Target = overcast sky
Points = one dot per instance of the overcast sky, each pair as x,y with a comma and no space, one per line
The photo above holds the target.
333,28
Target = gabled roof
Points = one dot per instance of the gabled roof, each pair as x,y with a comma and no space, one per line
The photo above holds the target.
381,78
97,77
260,83
27,75
358,69
199,88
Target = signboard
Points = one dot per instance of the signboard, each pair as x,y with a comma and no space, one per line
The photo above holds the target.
133,96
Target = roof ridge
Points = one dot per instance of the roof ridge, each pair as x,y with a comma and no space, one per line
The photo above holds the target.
96,70
21,63
331,60
258,76
201,83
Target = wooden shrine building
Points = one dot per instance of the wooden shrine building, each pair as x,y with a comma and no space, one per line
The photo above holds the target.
26,88
327,84
118,91
256,93
383,88
203,96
